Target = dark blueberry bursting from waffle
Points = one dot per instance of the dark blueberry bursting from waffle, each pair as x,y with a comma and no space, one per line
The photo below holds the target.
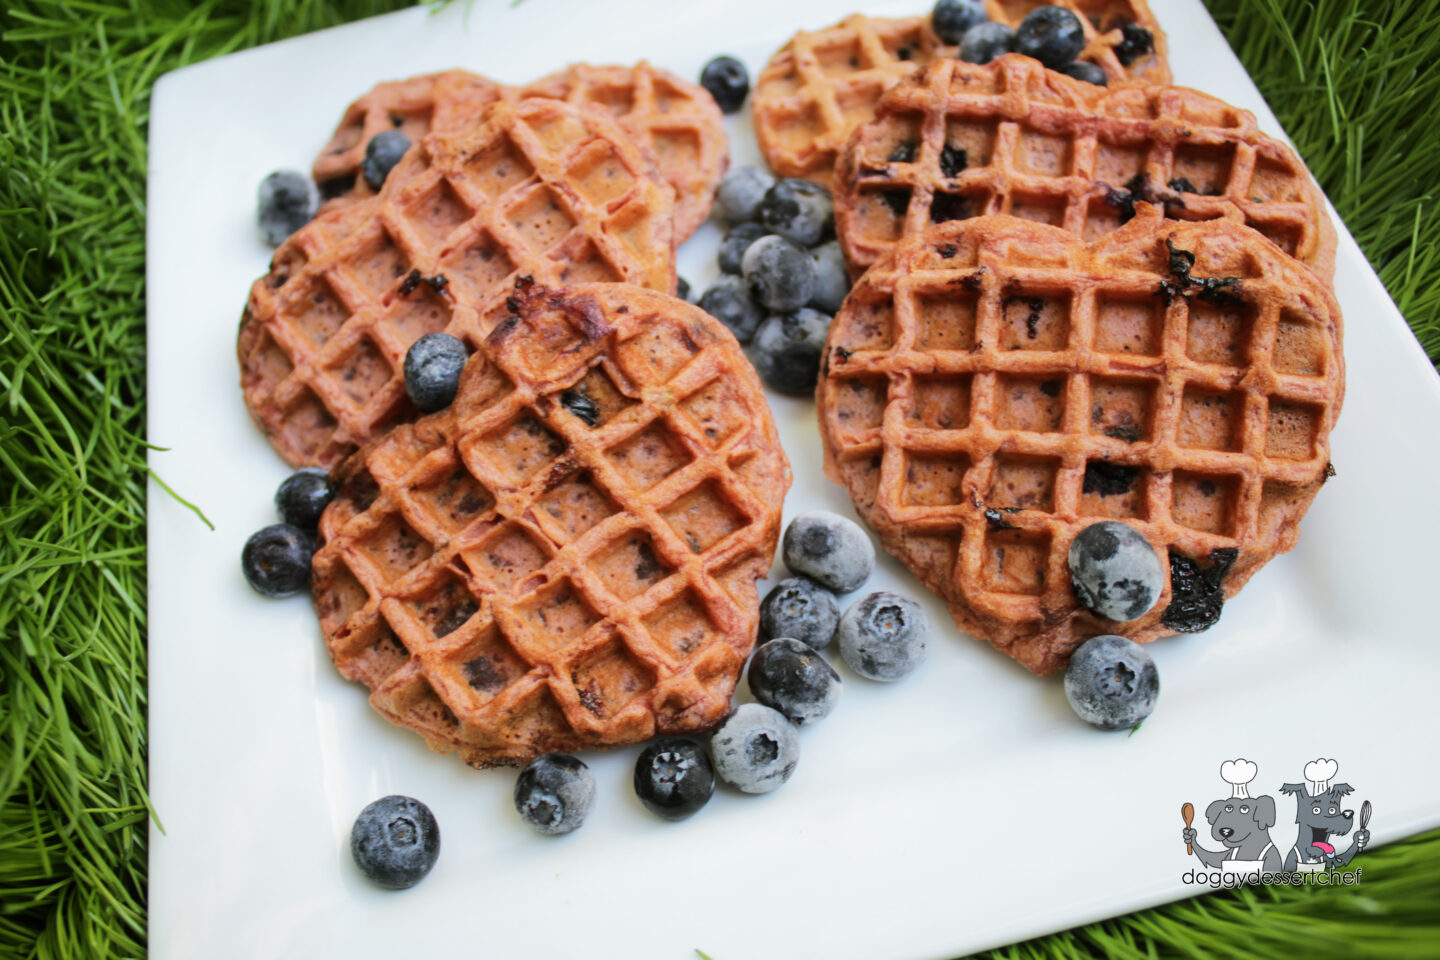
1136,42
578,402
952,160
1196,592
1109,479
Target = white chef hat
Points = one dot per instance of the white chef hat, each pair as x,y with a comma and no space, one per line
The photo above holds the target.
1238,773
1318,774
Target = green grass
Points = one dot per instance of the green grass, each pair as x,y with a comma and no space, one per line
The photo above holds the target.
1359,91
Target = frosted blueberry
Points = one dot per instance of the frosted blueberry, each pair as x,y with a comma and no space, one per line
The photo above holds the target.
674,777
801,211
830,549
1111,682
740,193
1114,570
729,301
554,793
276,560
395,841
832,281
787,348
799,608
432,370
755,750
795,679
736,242
779,275
883,636
287,201
381,154
986,41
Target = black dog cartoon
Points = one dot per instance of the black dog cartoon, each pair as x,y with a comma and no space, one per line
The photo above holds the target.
1241,824
1319,815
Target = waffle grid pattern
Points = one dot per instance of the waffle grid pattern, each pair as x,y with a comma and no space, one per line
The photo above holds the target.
542,189
1010,137
823,84
975,381
523,581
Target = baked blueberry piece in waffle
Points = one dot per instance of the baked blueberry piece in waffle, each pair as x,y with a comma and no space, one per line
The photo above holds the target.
995,385
823,84
1011,137
565,557
539,188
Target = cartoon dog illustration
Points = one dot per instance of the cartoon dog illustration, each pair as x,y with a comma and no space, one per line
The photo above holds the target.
1242,825
1320,817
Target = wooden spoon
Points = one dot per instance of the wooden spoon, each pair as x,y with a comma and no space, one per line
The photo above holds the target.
1188,812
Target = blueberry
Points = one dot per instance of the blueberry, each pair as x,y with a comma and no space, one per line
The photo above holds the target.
432,370
787,348
1115,571
951,18
1052,35
674,777
276,560
755,749
737,241
985,42
287,201
729,301
779,275
381,154
829,548
801,211
728,82
800,608
794,678
740,193
554,793
303,496
682,289
882,636
1111,682
395,841
1089,72
1135,43
832,281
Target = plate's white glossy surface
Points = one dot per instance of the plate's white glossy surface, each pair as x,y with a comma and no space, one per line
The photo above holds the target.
961,808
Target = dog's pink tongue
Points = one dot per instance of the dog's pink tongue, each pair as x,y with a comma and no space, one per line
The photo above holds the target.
1324,847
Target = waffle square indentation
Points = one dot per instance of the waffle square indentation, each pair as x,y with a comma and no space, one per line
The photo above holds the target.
436,214
1125,323
1291,429
508,555
1035,320
1122,409
718,412
609,679
577,505
1210,420
1014,561
521,449
934,480
541,219
362,372
1205,502
650,456
630,565
446,607
455,499
1220,334
395,548
940,402
703,517
1032,404
557,616
1024,483
945,320
682,625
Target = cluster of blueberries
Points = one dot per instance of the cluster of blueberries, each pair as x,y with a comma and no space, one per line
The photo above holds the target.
395,840
1050,34
783,275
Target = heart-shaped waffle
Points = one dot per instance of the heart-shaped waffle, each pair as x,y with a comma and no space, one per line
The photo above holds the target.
566,556
823,84
1011,137
541,188
995,385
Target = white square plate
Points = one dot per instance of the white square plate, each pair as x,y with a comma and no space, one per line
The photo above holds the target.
961,808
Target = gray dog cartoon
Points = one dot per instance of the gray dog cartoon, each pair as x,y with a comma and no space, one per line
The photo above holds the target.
1318,813
1242,825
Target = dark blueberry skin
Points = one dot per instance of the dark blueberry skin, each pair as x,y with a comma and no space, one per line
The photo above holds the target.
1114,570
674,777
381,154
800,608
829,548
779,275
951,18
740,193
1052,35
1089,72
832,281
1112,682
287,201
395,841
682,289
801,211
432,370
756,749
737,241
728,82
787,348
883,636
276,560
303,496
985,42
793,677
728,300
555,793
